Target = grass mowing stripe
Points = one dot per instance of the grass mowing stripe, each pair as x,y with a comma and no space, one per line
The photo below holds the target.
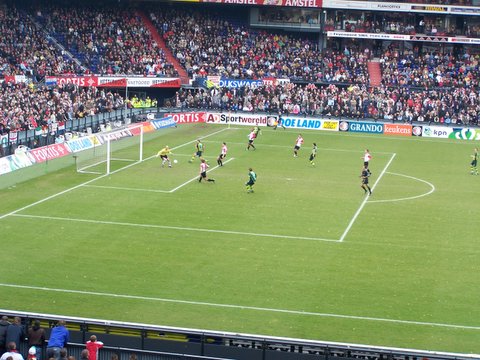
95,179
242,307
173,228
366,199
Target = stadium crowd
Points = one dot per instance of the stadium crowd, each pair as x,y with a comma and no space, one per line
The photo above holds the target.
26,107
429,69
398,104
416,86
206,43
25,49
111,40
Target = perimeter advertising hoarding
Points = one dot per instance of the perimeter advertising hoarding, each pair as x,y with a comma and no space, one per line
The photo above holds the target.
436,131
49,152
465,134
240,119
400,7
397,129
292,3
309,123
114,81
362,127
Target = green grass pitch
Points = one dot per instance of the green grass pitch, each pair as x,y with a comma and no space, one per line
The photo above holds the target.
307,255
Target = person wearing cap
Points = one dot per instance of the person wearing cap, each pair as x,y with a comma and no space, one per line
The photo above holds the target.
32,353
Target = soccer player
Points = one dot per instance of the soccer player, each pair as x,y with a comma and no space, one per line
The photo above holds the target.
203,171
251,139
366,158
298,145
473,164
223,154
313,154
256,130
199,149
277,123
252,178
365,175
164,156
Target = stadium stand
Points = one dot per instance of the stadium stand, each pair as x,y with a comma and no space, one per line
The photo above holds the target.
209,43
150,342
25,50
106,40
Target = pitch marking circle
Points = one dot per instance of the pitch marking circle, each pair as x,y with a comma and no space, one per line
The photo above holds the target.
432,189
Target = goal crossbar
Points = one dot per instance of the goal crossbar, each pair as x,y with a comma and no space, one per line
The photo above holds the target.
114,147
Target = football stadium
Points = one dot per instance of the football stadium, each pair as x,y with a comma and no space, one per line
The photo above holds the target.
239,179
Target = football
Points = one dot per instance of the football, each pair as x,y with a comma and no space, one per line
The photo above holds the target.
175,161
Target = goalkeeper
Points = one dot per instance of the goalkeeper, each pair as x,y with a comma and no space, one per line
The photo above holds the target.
164,156
252,178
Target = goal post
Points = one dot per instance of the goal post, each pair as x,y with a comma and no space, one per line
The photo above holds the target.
111,151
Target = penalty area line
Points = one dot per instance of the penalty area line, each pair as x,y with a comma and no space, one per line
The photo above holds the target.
180,228
92,180
242,307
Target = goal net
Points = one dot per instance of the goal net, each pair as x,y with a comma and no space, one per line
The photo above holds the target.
111,151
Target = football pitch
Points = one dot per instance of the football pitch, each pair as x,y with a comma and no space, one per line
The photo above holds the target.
307,255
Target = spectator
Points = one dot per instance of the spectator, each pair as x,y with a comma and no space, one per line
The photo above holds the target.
15,332
36,338
93,346
32,353
84,355
59,337
12,352
3,333
63,354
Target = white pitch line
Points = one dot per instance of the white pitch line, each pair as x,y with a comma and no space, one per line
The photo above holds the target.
155,226
432,189
242,307
196,177
92,180
350,224
126,188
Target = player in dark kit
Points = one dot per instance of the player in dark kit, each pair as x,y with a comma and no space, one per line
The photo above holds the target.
252,178
365,175
313,154
199,149
473,164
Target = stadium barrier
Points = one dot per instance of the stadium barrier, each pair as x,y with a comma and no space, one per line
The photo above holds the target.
151,342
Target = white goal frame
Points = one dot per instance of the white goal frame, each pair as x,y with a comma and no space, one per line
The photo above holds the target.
89,160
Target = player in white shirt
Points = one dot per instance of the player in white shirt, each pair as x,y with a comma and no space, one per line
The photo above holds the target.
251,139
298,145
203,171
223,154
366,158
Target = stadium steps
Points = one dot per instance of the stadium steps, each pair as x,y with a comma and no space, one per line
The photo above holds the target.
375,72
168,54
